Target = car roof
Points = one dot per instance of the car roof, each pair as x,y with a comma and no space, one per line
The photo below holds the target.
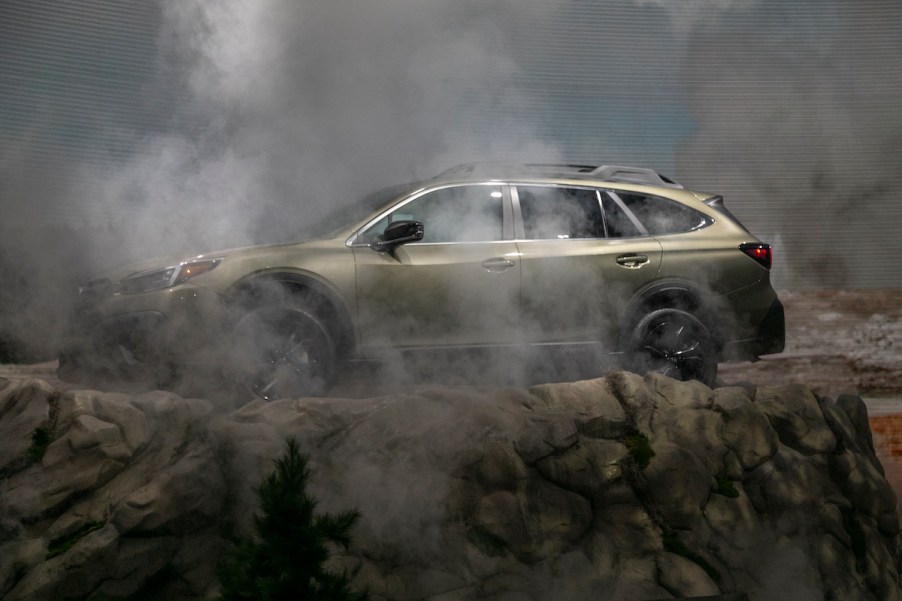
597,173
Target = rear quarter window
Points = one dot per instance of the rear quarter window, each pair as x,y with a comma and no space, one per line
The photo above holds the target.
664,216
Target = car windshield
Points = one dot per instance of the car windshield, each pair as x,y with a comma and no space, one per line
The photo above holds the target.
342,216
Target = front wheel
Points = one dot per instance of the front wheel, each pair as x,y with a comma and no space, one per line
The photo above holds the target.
283,352
674,343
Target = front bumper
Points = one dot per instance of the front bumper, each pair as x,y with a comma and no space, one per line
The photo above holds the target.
122,347
141,337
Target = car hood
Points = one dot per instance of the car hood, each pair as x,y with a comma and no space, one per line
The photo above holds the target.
115,274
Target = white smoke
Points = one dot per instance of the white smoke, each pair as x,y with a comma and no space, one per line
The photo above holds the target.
688,15
261,115
799,127
298,107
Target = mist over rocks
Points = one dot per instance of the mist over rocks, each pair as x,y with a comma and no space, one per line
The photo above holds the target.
618,488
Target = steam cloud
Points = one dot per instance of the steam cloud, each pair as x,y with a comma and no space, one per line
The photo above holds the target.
252,118
280,111
306,106
260,115
799,126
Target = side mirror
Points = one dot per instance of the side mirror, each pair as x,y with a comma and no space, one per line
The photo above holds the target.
398,233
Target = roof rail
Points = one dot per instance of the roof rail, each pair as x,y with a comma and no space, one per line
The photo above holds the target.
499,167
633,175
611,173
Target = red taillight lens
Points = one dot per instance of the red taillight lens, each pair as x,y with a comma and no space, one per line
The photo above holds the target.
758,251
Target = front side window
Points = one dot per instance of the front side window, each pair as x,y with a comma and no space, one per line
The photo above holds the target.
560,213
455,214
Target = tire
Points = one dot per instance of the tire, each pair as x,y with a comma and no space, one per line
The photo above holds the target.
283,352
674,343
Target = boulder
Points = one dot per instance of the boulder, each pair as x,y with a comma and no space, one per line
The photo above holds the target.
622,488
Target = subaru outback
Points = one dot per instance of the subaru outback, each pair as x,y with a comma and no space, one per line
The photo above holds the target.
482,256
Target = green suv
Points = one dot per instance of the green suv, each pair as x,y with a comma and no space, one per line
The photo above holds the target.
482,256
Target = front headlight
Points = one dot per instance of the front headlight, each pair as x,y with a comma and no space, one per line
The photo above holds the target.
166,277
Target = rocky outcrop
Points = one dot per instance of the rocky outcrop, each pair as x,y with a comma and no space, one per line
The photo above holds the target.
618,488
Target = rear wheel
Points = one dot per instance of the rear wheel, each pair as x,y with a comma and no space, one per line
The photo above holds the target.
674,343
283,352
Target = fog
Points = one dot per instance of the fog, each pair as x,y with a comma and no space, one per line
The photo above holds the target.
799,126
133,130
278,112
303,107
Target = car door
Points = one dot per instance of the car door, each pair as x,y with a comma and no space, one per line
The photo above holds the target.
582,258
458,286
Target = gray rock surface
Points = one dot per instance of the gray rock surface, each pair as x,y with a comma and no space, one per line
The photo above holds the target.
622,488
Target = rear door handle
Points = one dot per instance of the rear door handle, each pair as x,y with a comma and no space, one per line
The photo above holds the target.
632,261
497,264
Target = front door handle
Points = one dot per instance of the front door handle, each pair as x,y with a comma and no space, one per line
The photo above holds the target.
497,264
632,261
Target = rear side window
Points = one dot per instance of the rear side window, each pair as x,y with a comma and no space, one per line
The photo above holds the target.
559,213
619,224
663,216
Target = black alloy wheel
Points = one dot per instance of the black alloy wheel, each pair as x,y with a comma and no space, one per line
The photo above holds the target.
674,343
283,352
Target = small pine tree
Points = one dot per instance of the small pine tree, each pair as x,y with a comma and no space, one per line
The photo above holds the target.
285,559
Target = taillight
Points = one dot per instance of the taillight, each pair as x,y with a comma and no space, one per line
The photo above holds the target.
758,251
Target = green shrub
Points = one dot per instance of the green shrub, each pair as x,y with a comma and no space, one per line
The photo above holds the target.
61,544
639,447
487,542
724,486
285,558
40,440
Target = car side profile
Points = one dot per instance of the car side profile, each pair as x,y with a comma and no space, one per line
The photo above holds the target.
482,256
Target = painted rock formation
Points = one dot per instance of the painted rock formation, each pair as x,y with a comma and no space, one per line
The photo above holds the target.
622,488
